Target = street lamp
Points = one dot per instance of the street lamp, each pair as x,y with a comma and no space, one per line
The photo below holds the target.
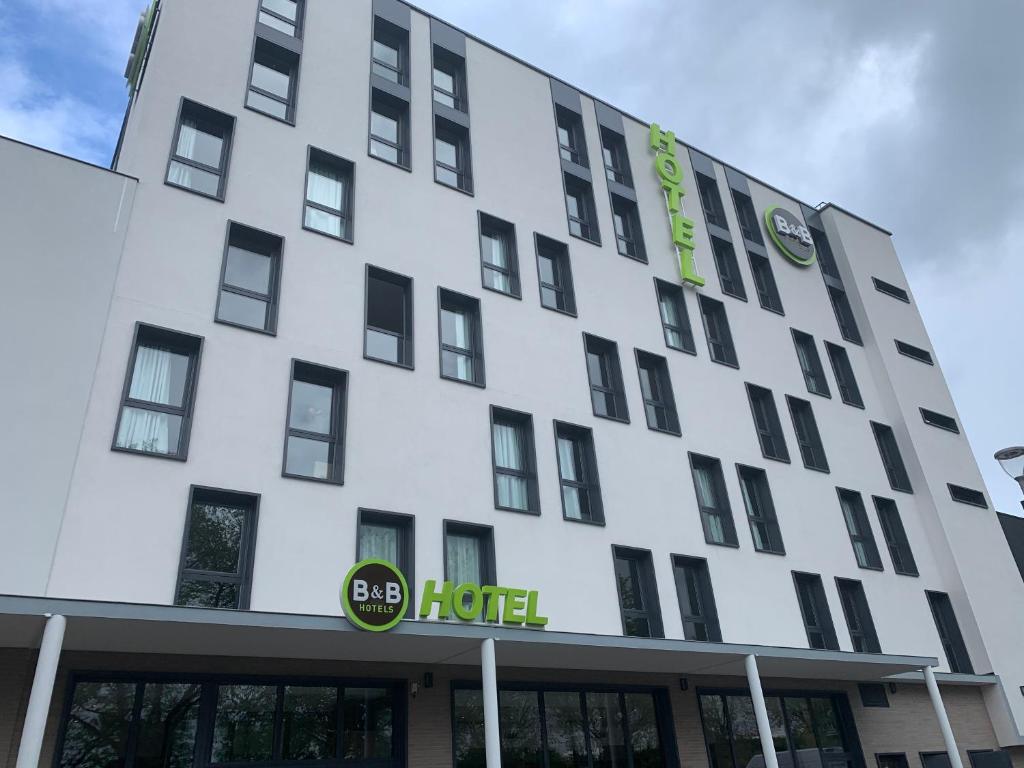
1012,462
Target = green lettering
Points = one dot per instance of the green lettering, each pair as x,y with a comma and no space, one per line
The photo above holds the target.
442,598
682,231
514,601
669,169
687,269
492,595
673,196
662,141
459,604
531,611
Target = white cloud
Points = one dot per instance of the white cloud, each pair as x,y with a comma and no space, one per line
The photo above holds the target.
106,28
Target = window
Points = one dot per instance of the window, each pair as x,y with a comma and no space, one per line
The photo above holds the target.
989,758
461,336
452,165
390,51
757,498
283,15
935,760
890,290
967,496
217,553
159,391
807,437
764,283
388,335
921,355
577,474
515,462
328,206
499,260
712,501
814,608
607,393
858,616
250,279
656,388
202,146
857,525
895,536
891,458
949,633
843,371
674,319
315,442
449,79
766,423
810,363
554,275
579,204
716,327
638,593
892,760
469,554
873,695
696,600
940,420
571,144
616,160
387,536
272,80
711,201
844,315
728,269
388,129
629,238
747,216
824,251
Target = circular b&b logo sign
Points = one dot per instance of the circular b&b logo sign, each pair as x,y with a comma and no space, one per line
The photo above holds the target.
790,236
374,595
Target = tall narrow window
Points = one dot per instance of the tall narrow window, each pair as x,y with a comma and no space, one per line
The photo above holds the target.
283,15
728,268
766,422
810,594
892,460
389,133
272,81
629,238
217,554
757,498
462,347
607,392
452,166
711,201
764,283
554,275
579,205
844,315
315,445
826,259
515,462
656,387
716,327
328,206
250,279
895,537
749,224
845,380
387,536
909,350
577,473
159,392
499,260
861,537
807,436
713,501
696,599
638,593
810,363
675,321
616,160
949,633
571,144
469,554
390,51
858,616
202,146
389,324
449,79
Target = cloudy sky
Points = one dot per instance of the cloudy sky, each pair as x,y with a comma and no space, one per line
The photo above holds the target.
908,113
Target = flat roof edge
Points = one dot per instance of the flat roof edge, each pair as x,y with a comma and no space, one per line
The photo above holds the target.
67,157
861,219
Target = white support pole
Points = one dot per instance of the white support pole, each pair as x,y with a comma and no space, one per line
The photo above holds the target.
489,674
940,714
764,726
42,691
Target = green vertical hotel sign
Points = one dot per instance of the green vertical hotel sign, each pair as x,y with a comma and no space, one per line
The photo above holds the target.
670,171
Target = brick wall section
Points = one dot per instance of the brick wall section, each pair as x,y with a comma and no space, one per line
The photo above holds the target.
907,725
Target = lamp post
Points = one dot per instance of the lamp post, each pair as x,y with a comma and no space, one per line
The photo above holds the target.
1012,462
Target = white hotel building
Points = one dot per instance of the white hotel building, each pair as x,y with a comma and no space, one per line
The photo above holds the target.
361,285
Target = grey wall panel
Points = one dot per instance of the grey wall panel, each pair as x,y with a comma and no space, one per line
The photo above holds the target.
565,96
448,38
395,12
610,118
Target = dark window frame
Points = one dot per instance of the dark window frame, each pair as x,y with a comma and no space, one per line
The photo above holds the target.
346,212
505,231
457,136
766,515
338,380
557,253
891,290
281,58
939,420
706,594
814,379
648,585
397,110
948,629
716,308
440,59
586,221
608,352
407,340
842,369
614,144
895,535
524,423
674,293
713,214
861,532
879,756
300,17
484,534
723,509
914,353
847,323
181,343
213,116
765,285
750,223
471,304
891,457
247,547
577,147
770,436
808,436
857,612
397,38
583,439
816,594
405,524
969,496
664,384
727,266
273,298
873,695
630,242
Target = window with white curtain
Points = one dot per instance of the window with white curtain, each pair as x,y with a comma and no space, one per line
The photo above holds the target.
577,473
156,409
461,338
387,536
328,195
514,460
199,154
712,501
468,555
499,260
